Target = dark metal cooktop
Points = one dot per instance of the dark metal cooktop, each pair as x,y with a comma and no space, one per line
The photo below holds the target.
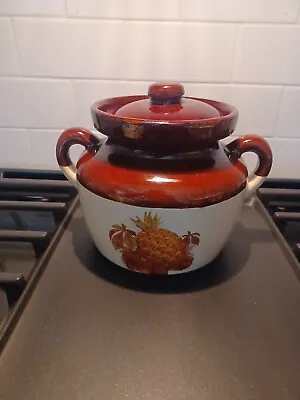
33,208
91,330
281,199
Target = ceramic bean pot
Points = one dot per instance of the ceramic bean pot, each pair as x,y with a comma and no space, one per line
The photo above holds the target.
161,193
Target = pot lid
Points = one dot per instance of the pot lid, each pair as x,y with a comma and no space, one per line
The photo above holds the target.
166,103
164,121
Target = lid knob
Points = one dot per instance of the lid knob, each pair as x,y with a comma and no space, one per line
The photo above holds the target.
165,93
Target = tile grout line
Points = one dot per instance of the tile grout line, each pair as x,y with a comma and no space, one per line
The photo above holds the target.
276,119
30,128
13,28
236,44
75,18
179,5
66,8
31,151
298,14
75,105
49,78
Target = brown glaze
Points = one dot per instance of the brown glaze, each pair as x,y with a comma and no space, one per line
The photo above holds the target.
163,128
195,179
256,145
165,103
163,92
163,150
167,110
75,136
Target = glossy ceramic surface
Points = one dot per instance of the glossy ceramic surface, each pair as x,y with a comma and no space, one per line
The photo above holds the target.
164,124
163,168
159,240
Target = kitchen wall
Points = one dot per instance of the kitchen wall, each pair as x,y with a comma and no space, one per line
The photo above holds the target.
59,56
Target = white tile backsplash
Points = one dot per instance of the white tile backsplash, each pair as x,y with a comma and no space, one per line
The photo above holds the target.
33,103
43,139
257,105
289,116
57,57
258,108
239,10
268,54
8,60
124,9
14,148
32,7
46,139
286,161
125,50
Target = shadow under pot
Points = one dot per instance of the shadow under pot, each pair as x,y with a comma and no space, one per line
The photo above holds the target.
161,193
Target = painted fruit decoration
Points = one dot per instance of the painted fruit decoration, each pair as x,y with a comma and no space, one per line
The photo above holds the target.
153,250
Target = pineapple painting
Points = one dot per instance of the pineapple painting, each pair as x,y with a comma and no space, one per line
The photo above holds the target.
153,250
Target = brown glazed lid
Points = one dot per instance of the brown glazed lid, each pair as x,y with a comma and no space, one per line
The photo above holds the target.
164,121
166,103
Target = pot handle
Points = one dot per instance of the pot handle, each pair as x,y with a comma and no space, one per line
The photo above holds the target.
66,140
261,148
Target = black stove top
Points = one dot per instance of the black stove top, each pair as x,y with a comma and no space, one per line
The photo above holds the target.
281,200
33,205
